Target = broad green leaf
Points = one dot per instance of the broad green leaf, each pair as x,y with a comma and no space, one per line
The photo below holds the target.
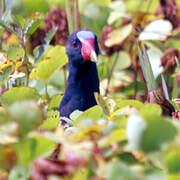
19,173
134,130
15,53
159,130
19,94
173,162
129,102
95,113
118,35
52,120
55,58
27,114
151,133
150,109
117,170
115,136
89,133
32,148
55,101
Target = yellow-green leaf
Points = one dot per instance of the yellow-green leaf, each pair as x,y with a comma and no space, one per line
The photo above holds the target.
55,58
19,94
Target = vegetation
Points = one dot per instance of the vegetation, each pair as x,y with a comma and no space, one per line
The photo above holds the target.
133,132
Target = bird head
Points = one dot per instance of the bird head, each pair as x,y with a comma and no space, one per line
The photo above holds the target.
82,47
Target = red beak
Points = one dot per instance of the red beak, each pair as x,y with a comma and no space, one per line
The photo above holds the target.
87,50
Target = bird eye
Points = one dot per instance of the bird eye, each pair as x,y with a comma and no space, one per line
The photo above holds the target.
74,44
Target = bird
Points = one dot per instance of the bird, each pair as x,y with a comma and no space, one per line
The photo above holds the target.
82,50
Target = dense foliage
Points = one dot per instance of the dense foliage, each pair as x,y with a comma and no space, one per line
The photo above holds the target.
133,132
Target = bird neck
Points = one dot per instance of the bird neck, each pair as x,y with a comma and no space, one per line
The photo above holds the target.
84,76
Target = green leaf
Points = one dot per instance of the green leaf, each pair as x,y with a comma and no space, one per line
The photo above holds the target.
128,102
151,133
15,53
32,148
31,27
158,131
117,36
52,120
55,59
173,43
5,74
55,101
117,170
19,94
95,113
173,162
19,173
150,109
20,20
147,69
27,114
115,136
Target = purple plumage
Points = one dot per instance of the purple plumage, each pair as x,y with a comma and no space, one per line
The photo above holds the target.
82,48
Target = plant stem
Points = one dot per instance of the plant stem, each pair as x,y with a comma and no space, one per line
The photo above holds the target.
2,7
46,91
27,75
69,15
76,16
111,72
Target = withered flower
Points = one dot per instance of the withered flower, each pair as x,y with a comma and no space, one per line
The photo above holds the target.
170,10
176,115
155,96
56,17
105,32
168,59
